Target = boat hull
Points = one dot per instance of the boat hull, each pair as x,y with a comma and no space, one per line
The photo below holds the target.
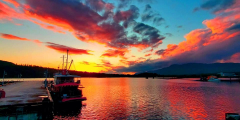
74,99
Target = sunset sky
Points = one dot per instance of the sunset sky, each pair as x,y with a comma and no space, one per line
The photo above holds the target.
119,36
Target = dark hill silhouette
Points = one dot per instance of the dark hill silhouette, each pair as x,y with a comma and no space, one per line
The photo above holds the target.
198,68
32,71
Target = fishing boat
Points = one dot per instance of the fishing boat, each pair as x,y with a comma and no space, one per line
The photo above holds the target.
66,87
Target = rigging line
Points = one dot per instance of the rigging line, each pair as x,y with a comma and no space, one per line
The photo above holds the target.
72,62
74,66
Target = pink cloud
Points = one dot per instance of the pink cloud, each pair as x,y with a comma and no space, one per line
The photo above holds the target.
63,49
148,55
14,2
235,58
37,42
114,53
13,37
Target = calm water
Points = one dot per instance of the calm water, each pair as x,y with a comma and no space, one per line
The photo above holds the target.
140,98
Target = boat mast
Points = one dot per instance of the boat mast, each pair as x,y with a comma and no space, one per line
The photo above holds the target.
67,60
63,63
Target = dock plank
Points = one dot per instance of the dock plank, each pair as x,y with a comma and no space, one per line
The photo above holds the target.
23,93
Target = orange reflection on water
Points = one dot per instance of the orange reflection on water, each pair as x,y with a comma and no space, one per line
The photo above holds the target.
140,98
186,101
106,97
198,102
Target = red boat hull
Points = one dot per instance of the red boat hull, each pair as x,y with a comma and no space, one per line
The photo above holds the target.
74,99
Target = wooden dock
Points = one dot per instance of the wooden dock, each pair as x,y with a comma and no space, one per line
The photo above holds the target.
25,100
27,92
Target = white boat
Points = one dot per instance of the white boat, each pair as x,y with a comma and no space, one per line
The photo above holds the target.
213,78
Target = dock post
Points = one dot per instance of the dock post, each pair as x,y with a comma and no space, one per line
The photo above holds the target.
47,111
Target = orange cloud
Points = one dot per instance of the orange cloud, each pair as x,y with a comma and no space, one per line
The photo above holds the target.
114,53
37,42
12,37
215,32
148,55
53,28
128,73
128,62
14,2
63,49
8,13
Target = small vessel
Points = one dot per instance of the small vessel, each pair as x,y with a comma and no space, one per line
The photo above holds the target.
212,78
66,87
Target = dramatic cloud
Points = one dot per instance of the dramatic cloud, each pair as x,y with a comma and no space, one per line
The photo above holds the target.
216,5
63,49
218,42
99,5
128,62
130,14
7,13
147,8
234,27
14,2
13,37
151,36
149,15
133,62
106,63
102,28
114,53
159,52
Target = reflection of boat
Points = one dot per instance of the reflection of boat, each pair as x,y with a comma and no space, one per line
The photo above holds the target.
67,110
212,78
66,88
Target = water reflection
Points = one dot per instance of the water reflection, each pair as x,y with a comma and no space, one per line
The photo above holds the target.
71,110
140,98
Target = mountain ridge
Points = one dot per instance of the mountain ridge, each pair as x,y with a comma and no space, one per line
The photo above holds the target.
198,68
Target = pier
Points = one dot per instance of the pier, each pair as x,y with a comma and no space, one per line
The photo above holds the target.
25,99
27,92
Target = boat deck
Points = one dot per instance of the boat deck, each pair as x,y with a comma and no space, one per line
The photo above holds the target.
27,92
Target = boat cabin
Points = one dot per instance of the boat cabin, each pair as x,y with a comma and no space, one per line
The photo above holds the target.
60,79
